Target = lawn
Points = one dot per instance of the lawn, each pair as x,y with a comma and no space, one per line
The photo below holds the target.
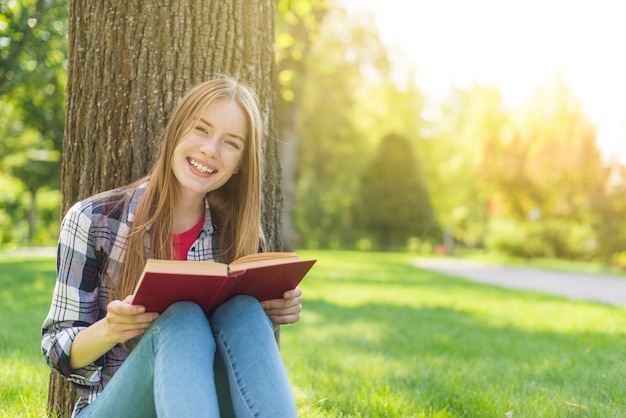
379,338
25,290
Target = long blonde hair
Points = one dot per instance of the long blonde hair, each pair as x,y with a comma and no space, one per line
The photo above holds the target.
236,205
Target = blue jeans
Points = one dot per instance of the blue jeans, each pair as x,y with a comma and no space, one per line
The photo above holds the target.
186,366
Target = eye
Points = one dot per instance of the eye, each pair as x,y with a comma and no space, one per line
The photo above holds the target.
233,143
202,129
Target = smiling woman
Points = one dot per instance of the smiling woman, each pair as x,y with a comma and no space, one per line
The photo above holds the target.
192,206
208,156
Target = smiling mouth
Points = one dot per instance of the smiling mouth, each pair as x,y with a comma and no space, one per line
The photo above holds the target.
201,168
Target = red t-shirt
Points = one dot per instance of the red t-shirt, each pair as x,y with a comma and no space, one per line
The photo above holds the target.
183,241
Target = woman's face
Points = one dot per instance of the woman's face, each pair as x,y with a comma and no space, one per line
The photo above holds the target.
207,157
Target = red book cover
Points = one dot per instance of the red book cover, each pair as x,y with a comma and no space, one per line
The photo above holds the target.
265,283
209,284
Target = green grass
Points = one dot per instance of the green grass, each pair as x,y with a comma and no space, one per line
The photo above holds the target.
25,291
379,338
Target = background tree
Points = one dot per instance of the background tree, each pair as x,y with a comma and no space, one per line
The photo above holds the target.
122,88
469,119
544,172
298,26
609,212
393,204
331,146
32,92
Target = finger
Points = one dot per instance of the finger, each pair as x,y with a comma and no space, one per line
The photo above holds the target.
119,328
117,318
284,310
281,303
125,308
293,293
284,319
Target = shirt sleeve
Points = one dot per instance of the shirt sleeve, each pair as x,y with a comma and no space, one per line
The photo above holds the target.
75,301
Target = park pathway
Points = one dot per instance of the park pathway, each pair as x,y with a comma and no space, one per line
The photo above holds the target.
583,286
29,252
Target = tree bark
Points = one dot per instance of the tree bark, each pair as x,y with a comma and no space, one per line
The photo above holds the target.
288,156
129,62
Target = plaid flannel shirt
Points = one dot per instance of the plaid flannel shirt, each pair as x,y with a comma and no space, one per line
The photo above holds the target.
91,246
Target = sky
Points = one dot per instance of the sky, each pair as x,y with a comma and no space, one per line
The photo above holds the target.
516,45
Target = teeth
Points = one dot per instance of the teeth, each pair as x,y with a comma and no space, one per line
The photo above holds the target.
200,167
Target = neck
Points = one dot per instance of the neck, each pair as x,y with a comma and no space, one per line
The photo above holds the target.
186,215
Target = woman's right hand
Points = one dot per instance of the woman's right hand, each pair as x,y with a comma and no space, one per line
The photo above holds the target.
126,321
122,322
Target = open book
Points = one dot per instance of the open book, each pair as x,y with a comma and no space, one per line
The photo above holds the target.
264,275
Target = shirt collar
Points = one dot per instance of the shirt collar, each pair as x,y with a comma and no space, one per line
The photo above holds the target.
208,227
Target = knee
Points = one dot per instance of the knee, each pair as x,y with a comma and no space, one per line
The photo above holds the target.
244,301
241,304
182,318
184,311
183,327
240,310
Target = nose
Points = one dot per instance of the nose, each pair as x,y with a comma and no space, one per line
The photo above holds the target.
211,146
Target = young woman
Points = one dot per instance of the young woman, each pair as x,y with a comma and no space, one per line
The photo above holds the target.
201,201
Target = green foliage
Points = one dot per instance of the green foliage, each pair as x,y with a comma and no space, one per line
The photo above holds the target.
555,238
380,338
482,164
15,202
393,203
547,166
297,26
326,168
384,106
33,50
470,118
343,112
31,159
11,207
609,212
33,55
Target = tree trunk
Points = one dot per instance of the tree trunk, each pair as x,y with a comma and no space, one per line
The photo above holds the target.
288,156
32,216
129,62
303,30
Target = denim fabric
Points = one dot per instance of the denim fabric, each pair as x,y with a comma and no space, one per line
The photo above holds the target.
184,364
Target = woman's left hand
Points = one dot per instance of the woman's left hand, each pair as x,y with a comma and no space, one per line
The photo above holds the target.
286,310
